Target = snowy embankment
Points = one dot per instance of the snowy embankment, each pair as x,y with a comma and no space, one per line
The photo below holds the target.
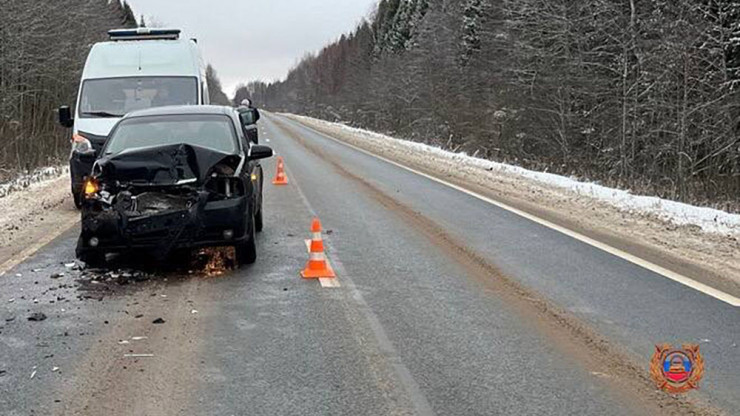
25,180
708,219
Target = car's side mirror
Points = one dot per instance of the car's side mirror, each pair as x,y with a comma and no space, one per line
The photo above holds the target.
65,117
259,151
249,117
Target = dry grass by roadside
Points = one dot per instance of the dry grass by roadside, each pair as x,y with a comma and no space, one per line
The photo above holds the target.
710,258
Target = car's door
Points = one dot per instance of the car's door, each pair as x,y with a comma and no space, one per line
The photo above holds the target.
252,176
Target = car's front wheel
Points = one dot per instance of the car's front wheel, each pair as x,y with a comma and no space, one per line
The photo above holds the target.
246,252
258,224
93,259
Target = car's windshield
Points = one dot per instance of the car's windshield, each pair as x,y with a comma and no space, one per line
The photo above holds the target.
114,97
210,131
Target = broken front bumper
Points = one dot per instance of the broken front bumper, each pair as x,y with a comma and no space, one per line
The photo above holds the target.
206,224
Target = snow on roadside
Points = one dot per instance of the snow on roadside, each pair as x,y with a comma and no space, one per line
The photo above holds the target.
709,219
27,179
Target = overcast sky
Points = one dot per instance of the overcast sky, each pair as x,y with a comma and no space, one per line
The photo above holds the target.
256,39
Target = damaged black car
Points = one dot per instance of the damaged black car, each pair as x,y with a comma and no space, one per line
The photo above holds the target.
174,178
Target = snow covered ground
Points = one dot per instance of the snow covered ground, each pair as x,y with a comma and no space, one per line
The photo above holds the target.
710,220
25,180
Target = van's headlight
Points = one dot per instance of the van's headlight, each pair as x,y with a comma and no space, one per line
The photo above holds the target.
80,144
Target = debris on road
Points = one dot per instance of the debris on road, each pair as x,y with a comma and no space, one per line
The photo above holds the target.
55,369
57,275
73,265
33,374
138,338
2,373
158,321
193,312
37,317
215,261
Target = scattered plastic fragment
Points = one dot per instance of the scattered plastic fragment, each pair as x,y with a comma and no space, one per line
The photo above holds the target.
55,369
33,374
11,300
138,338
37,317
123,342
193,311
158,321
57,275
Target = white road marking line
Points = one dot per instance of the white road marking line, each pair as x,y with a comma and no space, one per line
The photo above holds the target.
31,250
329,282
676,277
324,281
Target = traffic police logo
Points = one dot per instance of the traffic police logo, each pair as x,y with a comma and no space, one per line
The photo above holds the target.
677,370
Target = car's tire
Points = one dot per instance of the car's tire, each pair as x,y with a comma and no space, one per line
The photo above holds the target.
246,252
93,259
258,224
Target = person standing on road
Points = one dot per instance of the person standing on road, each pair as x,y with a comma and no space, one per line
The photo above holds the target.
249,116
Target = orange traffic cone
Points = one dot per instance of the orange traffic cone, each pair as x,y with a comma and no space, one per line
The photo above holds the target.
280,178
317,265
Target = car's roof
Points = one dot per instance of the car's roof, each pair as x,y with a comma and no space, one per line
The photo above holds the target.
182,110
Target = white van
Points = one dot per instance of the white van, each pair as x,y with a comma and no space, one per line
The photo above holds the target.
136,69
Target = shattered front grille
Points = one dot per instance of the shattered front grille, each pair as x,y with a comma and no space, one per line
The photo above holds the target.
152,203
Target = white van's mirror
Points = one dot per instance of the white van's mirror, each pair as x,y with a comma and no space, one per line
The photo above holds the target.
65,117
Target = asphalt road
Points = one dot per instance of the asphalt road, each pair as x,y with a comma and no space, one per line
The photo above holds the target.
447,305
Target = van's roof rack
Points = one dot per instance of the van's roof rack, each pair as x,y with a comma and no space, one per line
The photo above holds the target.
144,33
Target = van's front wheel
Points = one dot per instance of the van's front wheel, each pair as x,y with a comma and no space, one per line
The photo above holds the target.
77,198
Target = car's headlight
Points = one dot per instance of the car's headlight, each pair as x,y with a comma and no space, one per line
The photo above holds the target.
91,187
80,144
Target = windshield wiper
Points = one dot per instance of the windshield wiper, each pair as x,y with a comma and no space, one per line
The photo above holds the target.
104,114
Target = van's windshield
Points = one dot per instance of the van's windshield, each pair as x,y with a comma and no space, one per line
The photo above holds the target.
114,97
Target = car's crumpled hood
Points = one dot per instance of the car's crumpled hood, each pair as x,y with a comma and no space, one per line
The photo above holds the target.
162,165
